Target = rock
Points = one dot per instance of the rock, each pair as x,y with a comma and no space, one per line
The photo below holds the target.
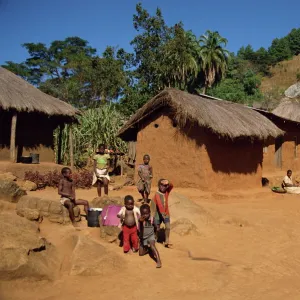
28,185
90,258
30,214
184,227
8,176
111,234
101,202
24,254
293,91
10,191
53,210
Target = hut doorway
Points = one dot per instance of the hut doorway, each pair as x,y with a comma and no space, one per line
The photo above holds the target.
278,152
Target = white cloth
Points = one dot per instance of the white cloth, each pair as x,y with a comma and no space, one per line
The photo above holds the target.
100,174
293,190
288,180
63,200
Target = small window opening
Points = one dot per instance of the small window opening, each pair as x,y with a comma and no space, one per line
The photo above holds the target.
156,125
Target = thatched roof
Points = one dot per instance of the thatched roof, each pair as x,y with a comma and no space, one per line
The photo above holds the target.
18,94
224,118
288,109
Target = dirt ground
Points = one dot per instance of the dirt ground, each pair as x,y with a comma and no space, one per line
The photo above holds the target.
248,248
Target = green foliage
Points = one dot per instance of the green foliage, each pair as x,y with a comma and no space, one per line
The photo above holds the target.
213,56
298,76
96,126
294,41
280,50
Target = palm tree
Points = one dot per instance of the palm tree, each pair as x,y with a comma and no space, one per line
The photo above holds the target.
180,59
213,56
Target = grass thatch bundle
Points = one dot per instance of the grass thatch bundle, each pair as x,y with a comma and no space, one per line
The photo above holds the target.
227,119
288,109
17,94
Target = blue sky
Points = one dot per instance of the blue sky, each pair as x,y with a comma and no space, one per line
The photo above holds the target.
103,23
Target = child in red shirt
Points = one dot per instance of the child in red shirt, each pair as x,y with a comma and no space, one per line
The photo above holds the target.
160,207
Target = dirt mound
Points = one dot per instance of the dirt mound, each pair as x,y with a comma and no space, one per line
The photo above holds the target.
27,185
101,202
90,258
53,210
10,191
7,176
23,252
184,227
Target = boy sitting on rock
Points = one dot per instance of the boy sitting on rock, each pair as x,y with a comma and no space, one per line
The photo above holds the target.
66,189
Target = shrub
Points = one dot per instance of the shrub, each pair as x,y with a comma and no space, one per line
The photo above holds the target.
298,76
82,179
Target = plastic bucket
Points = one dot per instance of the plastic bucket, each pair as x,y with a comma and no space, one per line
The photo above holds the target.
35,158
93,217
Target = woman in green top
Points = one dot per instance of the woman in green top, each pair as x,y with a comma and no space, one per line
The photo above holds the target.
101,167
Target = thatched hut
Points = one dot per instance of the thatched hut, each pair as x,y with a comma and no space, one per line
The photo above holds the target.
200,141
28,118
283,153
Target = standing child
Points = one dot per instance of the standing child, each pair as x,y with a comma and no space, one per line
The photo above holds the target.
66,189
160,207
129,215
101,167
147,236
145,173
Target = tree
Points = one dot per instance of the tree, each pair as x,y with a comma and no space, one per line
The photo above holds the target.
294,41
180,59
280,50
214,57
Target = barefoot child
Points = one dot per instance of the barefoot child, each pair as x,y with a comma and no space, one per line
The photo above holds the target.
101,167
129,215
66,189
147,234
160,207
145,173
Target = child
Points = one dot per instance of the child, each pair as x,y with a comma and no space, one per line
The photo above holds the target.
101,167
66,189
129,215
160,207
147,237
145,173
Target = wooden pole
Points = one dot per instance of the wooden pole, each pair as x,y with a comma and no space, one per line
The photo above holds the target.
13,138
71,148
59,146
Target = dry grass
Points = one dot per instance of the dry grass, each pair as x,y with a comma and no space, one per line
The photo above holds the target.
224,118
283,76
17,94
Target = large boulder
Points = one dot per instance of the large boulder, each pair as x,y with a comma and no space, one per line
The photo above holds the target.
53,210
7,176
10,191
90,258
24,254
293,91
28,185
184,227
101,202
111,234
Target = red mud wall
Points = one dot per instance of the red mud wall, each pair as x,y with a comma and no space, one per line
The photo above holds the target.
200,159
290,150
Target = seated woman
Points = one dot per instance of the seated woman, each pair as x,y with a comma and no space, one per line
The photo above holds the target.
288,180
289,185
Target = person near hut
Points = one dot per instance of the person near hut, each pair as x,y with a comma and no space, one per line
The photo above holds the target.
160,208
288,180
147,234
101,167
129,216
66,189
145,173
288,183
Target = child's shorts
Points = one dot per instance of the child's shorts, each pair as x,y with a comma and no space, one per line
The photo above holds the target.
144,187
148,240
